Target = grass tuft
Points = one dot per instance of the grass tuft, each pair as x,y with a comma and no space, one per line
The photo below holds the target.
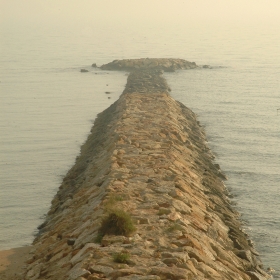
122,257
98,238
117,222
112,200
175,227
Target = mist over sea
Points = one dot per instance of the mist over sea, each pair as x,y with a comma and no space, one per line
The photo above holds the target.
48,107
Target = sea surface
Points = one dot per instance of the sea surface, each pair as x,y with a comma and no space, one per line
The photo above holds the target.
48,107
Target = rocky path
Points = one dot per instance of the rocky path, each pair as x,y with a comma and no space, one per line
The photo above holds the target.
144,200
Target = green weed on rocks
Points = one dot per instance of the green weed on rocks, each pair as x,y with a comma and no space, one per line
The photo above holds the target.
174,227
112,200
122,257
117,222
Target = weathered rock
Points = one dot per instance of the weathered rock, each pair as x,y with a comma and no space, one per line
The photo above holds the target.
106,270
77,272
71,241
256,276
173,273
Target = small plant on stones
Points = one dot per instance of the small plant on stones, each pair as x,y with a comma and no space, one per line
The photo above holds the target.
98,238
121,257
117,222
115,198
112,200
174,227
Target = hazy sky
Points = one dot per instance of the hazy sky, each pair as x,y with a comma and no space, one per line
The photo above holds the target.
63,11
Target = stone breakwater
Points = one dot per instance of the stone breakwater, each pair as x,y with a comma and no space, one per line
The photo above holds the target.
144,200
165,64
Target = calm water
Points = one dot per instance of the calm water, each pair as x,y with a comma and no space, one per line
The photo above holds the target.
48,106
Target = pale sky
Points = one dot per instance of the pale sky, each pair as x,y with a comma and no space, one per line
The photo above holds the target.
60,11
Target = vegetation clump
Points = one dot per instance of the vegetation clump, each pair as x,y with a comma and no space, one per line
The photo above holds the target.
175,227
98,238
117,222
122,257
112,200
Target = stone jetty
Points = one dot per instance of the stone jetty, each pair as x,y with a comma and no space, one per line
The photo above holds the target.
165,64
144,200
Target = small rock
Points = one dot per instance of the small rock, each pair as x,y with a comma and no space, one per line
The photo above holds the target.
71,241
84,70
255,276
142,220
111,239
101,269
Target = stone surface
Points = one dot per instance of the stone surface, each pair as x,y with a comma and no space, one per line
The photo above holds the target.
148,156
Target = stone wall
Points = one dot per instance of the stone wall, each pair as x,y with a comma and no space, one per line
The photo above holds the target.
144,200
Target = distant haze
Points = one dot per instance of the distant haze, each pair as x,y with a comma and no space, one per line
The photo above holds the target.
152,11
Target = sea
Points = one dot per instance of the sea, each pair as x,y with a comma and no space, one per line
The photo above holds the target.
48,108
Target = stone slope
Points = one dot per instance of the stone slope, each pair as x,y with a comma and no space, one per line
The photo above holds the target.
146,156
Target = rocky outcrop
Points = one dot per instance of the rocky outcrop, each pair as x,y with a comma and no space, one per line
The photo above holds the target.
144,200
165,64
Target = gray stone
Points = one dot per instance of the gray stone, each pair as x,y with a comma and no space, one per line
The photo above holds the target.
87,247
106,270
77,271
181,206
256,276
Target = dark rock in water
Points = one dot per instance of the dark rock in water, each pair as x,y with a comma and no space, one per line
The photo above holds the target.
84,70
94,65
71,241
256,276
246,255
107,92
206,67
42,225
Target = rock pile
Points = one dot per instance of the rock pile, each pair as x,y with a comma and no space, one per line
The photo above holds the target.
165,64
144,200
146,81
